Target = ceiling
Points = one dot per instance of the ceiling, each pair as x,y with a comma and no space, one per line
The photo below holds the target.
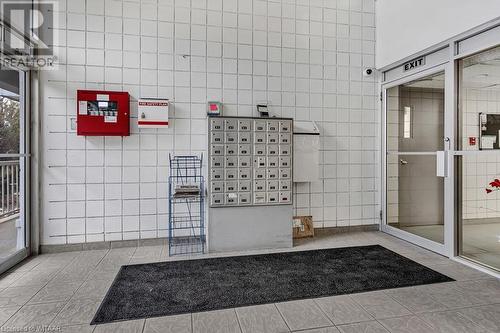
482,75
435,81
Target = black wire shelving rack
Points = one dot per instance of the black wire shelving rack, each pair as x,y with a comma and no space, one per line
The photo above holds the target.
186,189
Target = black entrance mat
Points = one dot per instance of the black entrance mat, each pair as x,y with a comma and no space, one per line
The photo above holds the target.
167,288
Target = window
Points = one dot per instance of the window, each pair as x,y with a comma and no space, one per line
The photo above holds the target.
407,122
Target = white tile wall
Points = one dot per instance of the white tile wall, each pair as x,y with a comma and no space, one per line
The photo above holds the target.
479,171
305,57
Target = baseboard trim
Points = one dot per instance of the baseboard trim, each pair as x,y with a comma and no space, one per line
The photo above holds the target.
338,230
57,248
106,245
484,220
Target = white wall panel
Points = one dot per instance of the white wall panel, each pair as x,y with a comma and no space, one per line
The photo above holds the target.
304,56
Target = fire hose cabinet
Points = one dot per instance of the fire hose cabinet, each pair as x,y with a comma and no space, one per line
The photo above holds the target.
103,113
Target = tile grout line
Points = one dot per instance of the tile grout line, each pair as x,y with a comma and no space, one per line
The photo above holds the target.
383,291
26,303
472,320
282,317
237,319
388,330
71,298
76,291
322,311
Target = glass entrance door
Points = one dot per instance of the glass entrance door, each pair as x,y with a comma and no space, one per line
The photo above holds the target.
415,160
13,166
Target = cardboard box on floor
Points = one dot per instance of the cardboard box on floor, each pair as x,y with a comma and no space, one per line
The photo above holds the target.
303,227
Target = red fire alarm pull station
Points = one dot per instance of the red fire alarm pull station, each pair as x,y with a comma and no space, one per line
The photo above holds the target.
103,113
472,141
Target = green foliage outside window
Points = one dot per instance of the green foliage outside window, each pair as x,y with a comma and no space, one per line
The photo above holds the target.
9,126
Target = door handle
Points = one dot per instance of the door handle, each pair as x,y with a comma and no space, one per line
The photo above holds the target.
442,163
403,162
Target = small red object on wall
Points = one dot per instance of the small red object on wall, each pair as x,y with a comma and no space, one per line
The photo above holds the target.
103,113
472,141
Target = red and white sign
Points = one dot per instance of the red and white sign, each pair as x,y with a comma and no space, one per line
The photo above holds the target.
153,113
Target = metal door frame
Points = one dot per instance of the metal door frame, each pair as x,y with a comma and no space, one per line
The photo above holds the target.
384,226
473,44
473,41
24,170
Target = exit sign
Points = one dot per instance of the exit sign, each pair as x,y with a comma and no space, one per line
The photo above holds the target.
419,62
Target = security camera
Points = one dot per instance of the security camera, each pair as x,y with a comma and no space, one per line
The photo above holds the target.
368,71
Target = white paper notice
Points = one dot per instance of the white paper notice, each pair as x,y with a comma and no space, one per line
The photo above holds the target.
110,119
82,107
484,118
102,97
488,141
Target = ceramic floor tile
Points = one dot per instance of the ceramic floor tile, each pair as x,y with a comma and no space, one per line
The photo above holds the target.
487,316
221,321
428,258
102,275
30,316
459,272
137,261
46,268
129,326
448,295
7,279
93,289
486,291
72,275
6,313
414,300
16,295
261,319
27,264
95,270
343,310
55,293
365,327
148,251
169,324
76,329
451,322
303,314
34,279
77,312
331,329
380,305
407,324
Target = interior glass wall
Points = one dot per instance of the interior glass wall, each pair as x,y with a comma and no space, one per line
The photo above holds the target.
479,160
415,130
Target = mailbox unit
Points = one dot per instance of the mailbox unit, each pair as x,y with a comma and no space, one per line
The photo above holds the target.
250,183
250,161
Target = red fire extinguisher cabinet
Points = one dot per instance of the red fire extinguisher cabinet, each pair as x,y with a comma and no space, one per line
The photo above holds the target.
103,113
